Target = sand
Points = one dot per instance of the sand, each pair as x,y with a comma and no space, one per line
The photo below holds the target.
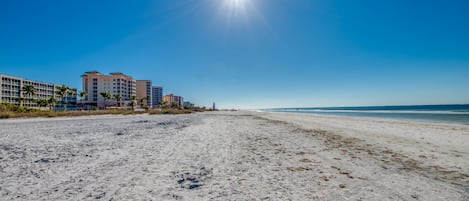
232,156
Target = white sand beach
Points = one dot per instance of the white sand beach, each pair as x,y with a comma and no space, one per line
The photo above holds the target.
232,156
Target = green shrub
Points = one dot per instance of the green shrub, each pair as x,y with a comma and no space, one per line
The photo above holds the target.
169,111
13,111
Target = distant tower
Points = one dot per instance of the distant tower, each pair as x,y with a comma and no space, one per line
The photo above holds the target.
213,106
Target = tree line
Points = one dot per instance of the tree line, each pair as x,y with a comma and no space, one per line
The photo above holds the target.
61,92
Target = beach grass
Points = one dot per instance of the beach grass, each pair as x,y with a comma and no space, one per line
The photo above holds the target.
11,111
170,111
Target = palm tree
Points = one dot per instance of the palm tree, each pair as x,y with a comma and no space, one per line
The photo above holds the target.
62,92
70,94
42,102
134,102
109,96
118,98
51,102
175,104
143,102
83,95
28,90
163,104
106,96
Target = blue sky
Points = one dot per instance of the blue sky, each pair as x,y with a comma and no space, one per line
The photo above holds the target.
249,53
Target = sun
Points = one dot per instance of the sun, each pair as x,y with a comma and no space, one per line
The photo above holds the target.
236,4
237,13
236,7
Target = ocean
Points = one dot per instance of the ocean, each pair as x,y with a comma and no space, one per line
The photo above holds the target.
455,114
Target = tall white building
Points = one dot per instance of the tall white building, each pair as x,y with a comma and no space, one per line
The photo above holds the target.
95,83
11,92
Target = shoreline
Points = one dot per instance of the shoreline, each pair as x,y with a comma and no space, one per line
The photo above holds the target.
408,137
389,117
232,156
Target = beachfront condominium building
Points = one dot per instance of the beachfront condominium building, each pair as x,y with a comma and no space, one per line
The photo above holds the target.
144,91
157,95
11,91
179,100
171,98
95,83
188,104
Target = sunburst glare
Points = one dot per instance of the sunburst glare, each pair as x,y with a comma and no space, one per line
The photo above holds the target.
236,5
236,8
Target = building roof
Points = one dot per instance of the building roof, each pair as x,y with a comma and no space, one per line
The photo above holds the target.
91,72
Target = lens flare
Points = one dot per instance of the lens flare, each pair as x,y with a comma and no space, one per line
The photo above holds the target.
240,16
236,4
236,7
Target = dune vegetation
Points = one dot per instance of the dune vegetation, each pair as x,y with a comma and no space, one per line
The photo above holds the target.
13,111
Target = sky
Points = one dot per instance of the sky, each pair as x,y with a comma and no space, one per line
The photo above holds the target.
249,53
